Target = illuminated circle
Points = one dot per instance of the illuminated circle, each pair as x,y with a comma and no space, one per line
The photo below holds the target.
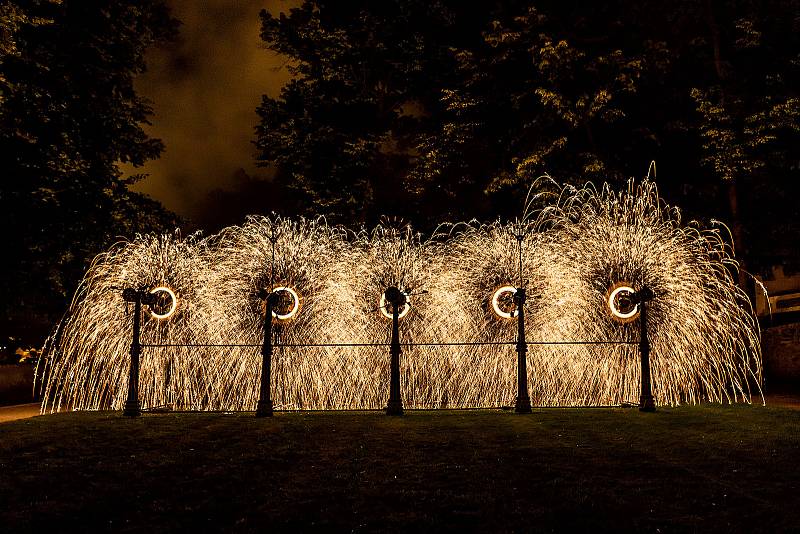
403,312
496,302
618,290
295,303
173,303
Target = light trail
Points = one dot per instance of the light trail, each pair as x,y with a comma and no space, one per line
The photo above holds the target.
704,338
295,307
497,295
616,291
173,303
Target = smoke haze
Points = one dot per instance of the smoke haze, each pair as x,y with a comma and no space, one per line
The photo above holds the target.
205,88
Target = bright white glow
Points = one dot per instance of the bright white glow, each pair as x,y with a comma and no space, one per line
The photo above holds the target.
612,304
173,303
295,303
496,302
403,312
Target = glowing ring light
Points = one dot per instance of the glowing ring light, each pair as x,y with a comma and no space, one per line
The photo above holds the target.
496,302
173,306
615,290
403,312
295,303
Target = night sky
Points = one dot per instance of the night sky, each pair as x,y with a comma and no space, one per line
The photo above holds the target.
204,89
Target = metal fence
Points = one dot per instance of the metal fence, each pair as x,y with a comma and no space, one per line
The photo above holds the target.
396,301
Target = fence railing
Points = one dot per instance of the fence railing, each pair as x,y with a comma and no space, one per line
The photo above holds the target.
394,406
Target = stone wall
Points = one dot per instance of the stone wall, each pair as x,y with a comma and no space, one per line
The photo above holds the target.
781,349
16,384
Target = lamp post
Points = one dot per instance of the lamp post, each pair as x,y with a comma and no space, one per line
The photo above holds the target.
523,402
264,406
646,402
138,297
396,299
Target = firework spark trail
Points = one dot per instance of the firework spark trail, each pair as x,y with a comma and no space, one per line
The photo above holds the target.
398,257
705,341
704,338
88,359
307,258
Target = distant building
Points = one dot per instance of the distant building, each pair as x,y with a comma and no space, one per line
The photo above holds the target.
782,302
779,314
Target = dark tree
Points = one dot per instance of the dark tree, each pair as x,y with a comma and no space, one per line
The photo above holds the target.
745,87
433,111
549,90
69,116
344,133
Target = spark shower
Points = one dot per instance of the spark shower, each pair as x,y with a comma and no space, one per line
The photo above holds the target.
583,251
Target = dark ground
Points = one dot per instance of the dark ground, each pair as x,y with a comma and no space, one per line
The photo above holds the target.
705,468
16,384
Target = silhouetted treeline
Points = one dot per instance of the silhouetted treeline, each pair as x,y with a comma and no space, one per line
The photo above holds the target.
451,110
68,115
428,111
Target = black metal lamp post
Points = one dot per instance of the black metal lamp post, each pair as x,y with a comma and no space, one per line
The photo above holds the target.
138,297
396,299
264,406
523,402
646,402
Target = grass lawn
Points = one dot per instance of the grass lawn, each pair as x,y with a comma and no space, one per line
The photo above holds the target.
702,468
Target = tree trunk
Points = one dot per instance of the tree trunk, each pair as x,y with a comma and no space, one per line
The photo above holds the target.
712,26
736,230
733,189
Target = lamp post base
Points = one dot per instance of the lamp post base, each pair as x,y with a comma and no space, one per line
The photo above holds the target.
394,408
522,405
132,409
647,404
264,409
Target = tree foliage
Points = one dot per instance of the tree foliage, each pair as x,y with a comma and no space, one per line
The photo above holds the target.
69,116
435,110
343,134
